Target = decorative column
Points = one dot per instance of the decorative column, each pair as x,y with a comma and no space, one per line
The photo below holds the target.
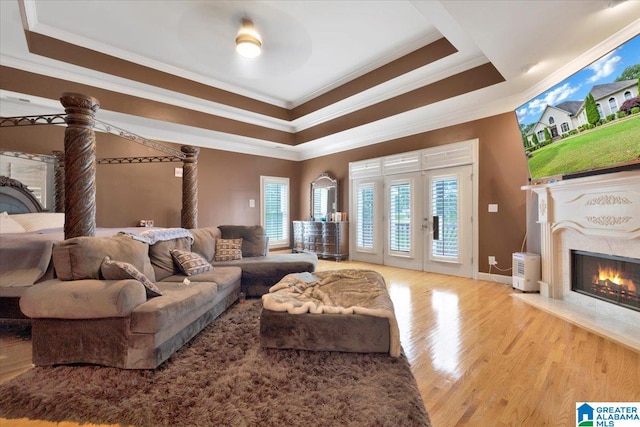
190,187
545,219
59,181
79,165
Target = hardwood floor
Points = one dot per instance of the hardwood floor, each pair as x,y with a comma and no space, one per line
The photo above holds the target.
480,356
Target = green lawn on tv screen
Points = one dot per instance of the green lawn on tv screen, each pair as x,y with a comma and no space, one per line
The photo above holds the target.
615,143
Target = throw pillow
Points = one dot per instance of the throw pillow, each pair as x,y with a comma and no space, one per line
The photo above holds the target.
118,270
190,262
228,249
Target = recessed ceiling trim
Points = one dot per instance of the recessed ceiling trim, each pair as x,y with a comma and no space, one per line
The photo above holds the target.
386,60
448,66
419,58
154,93
83,42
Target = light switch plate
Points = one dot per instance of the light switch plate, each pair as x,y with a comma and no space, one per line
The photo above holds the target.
493,207
252,203
178,172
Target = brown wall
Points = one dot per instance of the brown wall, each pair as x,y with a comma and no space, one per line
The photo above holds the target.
130,192
502,169
126,193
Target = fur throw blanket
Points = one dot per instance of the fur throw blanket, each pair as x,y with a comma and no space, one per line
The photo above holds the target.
338,292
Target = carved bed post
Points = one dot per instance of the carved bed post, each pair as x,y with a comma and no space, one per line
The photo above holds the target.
190,187
80,165
59,181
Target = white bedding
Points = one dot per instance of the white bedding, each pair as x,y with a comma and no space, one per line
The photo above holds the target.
36,221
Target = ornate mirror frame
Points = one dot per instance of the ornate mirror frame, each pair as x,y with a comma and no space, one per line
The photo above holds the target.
324,197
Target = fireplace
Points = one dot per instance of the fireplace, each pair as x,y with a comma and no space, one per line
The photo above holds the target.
611,278
598,217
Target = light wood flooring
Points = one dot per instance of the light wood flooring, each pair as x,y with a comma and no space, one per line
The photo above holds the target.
480,356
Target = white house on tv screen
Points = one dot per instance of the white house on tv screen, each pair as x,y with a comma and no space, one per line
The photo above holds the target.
568,115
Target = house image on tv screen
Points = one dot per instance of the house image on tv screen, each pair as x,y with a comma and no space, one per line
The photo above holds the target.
588,122
569,115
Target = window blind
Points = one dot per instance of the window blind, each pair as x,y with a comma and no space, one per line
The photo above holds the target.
400,217
365,216
275,202
31,173
444,196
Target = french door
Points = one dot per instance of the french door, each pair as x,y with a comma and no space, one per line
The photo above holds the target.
447,222
403,213
415,210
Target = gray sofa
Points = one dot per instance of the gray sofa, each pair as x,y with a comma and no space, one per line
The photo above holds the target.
80,317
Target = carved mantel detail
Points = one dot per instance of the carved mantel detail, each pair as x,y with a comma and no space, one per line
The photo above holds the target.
606,200
543,207
608,220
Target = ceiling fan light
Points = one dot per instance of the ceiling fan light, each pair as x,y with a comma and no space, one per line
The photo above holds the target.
248,46
248,43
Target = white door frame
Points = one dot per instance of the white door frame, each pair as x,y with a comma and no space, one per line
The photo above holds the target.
448,155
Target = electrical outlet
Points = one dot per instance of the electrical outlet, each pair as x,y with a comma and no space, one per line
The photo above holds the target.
492,260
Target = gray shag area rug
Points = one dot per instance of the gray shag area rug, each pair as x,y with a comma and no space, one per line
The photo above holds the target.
223,377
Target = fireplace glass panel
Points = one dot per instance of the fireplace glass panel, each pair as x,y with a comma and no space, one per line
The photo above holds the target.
611,278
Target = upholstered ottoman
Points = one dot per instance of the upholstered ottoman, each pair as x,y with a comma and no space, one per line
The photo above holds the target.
343,310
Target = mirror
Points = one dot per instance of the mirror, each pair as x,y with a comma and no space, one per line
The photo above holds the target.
324,197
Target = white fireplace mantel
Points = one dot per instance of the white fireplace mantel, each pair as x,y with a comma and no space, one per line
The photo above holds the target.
599,213
603,207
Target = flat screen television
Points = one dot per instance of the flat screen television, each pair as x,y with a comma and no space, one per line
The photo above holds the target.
587,124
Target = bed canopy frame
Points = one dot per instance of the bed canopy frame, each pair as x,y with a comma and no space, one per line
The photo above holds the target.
75,168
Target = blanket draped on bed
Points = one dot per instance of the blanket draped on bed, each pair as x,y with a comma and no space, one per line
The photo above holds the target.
337,292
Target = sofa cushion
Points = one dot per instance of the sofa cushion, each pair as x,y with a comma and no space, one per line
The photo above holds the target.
204,241
161,259
82,299
118,270
224,277
254,239
177,301
228,249
190,262
274,265
81,257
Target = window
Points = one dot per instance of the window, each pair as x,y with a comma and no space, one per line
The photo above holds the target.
274,193
613,105
365,216
599,107
627,95
540,135
35,174
444,196
551,120
564,127
400,217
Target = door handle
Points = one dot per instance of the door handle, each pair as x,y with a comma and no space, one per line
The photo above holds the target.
436,228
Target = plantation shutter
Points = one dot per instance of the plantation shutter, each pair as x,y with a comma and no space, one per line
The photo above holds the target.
365,216
444,196
400,217
275,212
31,173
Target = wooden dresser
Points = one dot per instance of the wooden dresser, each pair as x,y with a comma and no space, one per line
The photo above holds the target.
327,239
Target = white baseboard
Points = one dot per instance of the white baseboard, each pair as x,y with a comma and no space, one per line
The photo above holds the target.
495,278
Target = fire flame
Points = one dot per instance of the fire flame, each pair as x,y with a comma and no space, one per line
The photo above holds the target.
611,274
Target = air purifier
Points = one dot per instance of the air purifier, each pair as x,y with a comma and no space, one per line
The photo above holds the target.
526,271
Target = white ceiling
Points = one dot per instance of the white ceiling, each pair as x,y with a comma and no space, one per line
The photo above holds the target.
311,47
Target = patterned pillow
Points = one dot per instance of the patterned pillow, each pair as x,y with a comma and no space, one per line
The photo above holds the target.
118,270
228,249
190,262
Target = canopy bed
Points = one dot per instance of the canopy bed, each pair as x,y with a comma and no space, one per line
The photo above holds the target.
26,251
